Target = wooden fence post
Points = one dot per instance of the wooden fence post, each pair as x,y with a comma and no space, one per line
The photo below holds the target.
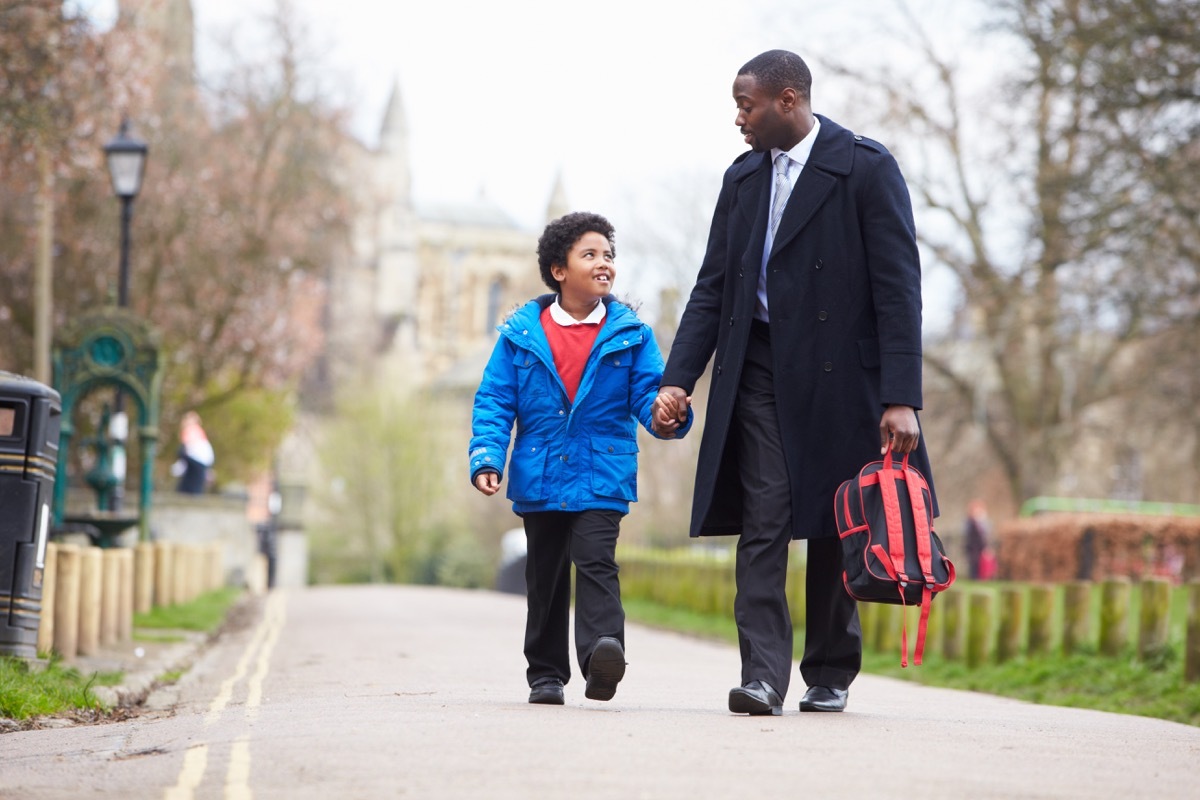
887,628
68,569
1041,609
979,630
1008,642
1114,616
1077,616
866,620
953,612
110,595
1153,617
90,598
45,637
1191,668
125,607
143,577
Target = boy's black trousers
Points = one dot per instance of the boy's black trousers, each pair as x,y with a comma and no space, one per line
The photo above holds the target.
555,539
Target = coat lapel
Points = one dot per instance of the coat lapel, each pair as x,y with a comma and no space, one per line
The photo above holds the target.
754,199
831,157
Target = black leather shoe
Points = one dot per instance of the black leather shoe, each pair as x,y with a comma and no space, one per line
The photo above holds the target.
547,692
756,698
606,667
823,698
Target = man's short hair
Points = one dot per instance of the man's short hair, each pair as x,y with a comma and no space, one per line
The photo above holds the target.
561,235
776,70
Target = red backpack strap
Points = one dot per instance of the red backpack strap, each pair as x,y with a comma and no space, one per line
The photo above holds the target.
916,496
891,514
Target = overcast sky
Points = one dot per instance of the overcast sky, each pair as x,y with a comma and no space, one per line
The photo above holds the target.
620,96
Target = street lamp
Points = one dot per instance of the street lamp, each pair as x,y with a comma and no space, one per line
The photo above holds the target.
126,163
126,158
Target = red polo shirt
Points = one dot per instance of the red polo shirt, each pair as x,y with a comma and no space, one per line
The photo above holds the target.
571,343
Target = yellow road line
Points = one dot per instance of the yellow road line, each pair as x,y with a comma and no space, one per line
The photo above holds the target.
226,692
194,762
237,779
254,692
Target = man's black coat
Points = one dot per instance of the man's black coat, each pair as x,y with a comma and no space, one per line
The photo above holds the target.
844,292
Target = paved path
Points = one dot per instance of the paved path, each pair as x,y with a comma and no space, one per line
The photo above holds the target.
365,692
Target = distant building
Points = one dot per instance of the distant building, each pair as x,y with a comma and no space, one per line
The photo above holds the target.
418,300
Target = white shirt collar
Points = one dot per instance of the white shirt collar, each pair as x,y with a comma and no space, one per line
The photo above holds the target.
803,148
559,315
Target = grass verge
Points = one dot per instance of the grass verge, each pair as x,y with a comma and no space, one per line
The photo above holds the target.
205,613
1121,685
28,691
32,691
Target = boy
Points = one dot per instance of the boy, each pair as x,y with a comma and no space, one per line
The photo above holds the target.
575,371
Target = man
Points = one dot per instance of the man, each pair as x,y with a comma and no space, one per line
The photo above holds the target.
810,295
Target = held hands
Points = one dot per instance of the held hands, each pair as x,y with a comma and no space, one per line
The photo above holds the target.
488,483
670,410
899,425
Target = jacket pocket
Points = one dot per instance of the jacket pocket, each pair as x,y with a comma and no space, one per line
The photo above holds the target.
531,375
614,467
612,375
527,470
868,353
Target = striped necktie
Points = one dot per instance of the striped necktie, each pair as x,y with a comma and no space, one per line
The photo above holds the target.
782,189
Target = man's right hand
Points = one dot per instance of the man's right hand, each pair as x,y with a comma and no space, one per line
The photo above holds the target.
670,410
488,483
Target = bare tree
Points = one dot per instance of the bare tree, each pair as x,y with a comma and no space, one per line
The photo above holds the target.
240,213
1065,205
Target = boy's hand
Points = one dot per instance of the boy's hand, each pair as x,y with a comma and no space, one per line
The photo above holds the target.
670,410
488,483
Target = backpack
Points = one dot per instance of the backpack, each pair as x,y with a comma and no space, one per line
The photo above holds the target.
890,553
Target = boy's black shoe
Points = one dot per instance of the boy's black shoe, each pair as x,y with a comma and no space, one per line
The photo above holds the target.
606,667
547,692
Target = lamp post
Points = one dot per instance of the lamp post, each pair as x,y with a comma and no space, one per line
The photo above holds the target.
126,157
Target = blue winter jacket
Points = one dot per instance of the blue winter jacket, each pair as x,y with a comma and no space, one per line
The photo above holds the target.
567,456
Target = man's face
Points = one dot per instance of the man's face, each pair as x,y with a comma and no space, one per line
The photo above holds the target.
759,116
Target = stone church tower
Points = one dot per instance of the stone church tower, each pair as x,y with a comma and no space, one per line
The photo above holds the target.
425,286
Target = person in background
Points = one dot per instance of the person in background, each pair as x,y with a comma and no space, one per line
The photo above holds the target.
196,458
977,537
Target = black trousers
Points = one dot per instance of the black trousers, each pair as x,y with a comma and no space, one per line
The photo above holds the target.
556,540
833,635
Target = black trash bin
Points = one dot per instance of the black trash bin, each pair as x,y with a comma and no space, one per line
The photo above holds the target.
30,419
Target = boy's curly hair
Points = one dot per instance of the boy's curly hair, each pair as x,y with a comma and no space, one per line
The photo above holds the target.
561,235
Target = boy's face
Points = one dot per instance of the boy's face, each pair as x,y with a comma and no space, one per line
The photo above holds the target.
589,272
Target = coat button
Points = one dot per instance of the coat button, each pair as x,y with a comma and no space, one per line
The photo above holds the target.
525,333
610,449
560,412
617,362
822,315
718,369
819,264
562,505
828,366
731,322
857,138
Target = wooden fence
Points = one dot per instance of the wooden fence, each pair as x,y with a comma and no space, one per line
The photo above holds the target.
89,594
975,623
